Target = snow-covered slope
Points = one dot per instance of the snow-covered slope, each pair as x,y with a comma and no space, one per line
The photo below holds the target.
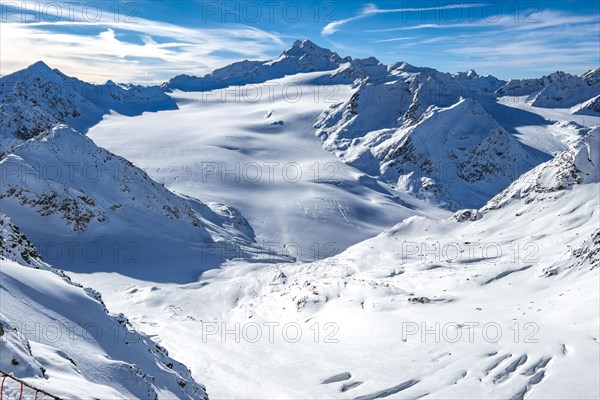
375,130
454,162
15,245
579,164
590,107
37,98
504,305
58,336
262,157
389,98
61,188
319,152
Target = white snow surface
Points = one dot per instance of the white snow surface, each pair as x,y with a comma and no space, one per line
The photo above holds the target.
348,261
59,337
90,210
38,98
262,157
432,308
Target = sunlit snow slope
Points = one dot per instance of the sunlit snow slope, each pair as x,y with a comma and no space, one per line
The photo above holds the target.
260,154
497,303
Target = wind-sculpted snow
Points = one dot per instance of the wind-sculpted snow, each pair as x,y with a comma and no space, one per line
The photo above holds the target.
38,98
59,337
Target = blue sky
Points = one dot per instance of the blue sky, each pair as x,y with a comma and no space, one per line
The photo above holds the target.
149,41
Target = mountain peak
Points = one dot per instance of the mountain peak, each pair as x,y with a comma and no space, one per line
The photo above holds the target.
40,67
304,42
302,47
37,70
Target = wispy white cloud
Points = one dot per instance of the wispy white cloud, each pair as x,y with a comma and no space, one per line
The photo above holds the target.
398,39
371,9
427,26
333,27
146,51
541,20
550,40
432,40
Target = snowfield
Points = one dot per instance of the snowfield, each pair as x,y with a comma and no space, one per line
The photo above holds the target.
262,157
307,227
431,308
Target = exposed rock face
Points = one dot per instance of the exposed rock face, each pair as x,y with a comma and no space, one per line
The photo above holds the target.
577,165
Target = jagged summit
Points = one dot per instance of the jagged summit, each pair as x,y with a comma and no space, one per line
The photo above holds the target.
302,56
306,56
404,67
300,47
306,48
469,74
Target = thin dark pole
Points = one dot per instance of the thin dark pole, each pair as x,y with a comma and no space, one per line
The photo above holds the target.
23,383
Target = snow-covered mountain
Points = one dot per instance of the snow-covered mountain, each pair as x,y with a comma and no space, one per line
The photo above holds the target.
59,337
556,90
302,56
60,186
364,130
458,154
425,131
579,164
466,153
418,207
38,98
